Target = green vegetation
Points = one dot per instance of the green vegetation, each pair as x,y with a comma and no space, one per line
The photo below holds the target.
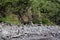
15,11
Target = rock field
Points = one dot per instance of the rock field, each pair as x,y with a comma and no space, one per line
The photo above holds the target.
29,32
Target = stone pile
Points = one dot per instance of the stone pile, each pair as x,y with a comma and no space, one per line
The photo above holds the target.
28,32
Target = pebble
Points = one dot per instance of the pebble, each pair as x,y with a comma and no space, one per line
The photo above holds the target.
29,32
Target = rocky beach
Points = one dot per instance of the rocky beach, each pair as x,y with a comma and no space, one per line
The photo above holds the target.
29,32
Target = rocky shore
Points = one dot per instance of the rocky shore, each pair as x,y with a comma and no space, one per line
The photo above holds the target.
29,32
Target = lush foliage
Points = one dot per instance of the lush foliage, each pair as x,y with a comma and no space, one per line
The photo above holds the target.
45,11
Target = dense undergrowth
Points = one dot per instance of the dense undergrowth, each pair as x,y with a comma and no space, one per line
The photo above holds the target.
37,11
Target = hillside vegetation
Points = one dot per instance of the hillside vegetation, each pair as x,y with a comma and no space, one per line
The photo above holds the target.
27,11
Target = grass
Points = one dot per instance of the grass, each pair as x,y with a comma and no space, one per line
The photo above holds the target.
12,19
